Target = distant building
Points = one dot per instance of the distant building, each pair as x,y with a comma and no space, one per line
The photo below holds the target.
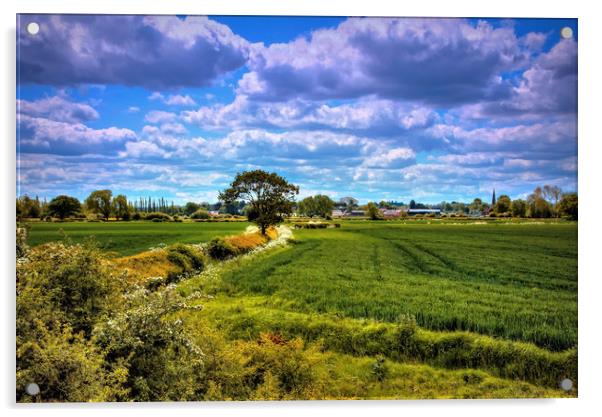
413,212
391,212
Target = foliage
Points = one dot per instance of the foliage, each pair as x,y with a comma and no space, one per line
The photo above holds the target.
537,205
246,242
568,206
373,212
163,363
220,248
519,208
100,202
200,214
476,205
72,282
28,207
158,216
21,241
187,257
319,205
121,207
191,207
279,367
269,196
63,206
503,204
552,193
66,367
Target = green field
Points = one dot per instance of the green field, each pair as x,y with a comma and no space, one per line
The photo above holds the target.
128,238
450,309
516,281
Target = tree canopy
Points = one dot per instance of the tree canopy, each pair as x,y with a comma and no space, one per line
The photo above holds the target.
99,202
63,206
319,205
269,196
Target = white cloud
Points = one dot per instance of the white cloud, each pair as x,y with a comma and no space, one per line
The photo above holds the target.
57,108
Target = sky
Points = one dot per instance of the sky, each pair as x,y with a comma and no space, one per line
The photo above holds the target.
428,109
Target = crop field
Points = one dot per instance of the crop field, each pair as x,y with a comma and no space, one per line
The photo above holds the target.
377,309
128,238
515,281
494,298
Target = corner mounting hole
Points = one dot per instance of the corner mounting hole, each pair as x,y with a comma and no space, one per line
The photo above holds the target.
33,28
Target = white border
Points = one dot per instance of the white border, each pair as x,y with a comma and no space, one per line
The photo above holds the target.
590,287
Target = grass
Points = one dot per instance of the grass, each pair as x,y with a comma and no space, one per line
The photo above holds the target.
515,281
129,238
414,309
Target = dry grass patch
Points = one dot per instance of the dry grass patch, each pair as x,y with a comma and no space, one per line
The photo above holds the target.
147,264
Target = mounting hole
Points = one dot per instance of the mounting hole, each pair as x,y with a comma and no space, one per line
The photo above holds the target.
566,32
566,384
33,28
32,389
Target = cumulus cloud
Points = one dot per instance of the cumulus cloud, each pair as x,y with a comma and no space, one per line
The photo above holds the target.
173,99
534,140
436,61
155,52
38,134
57,108
548,86
378,116
159,116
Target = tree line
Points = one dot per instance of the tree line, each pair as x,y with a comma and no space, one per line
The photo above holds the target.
102,203
252,193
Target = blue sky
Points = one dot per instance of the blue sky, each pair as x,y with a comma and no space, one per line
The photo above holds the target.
376,108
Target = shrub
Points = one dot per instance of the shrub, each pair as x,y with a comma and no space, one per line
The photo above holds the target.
380,370
136,216
280,365
246,242
219,248
157,215
200,214
194,257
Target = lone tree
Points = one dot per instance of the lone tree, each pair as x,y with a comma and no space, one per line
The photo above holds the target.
99,202
269,196
63,206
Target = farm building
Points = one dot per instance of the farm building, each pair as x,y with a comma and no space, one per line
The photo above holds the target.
413,212
391,212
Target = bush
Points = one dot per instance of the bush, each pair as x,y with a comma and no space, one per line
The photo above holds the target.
246,242
200,214
219,248
279,368
194,257
157,215
136,216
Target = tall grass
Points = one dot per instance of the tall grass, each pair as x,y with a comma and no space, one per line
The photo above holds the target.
513,281
402,341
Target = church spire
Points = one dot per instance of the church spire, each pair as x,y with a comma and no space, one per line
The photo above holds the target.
493,198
